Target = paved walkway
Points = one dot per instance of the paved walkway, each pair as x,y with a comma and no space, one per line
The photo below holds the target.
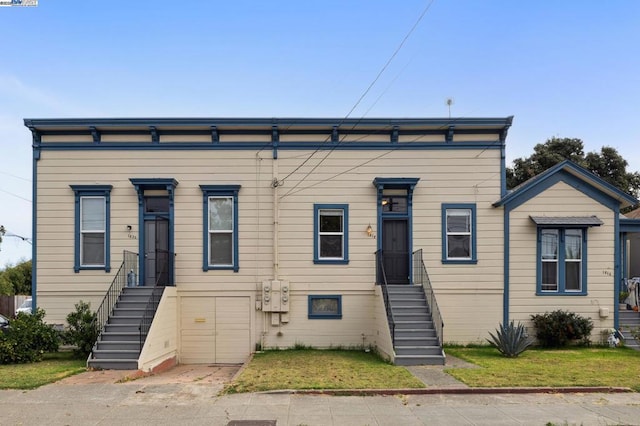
188,395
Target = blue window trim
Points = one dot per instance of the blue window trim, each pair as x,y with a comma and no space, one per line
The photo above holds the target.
312,315
219,191
316,229
474,252
561,263
92,191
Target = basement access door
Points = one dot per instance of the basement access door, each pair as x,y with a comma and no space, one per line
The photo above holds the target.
215,329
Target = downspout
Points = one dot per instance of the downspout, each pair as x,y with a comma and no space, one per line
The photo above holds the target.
36,143
275,183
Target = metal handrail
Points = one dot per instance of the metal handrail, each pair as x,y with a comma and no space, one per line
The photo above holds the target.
381,280
127,272
421,277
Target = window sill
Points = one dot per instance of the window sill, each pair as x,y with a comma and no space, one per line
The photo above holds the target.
330,262
92,268
325,316
459,261
572,293
221,268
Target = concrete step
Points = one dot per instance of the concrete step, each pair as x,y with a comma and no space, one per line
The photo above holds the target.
414,332
132,304
128,312
125,354
419,359
407,301
121,337
113,364
138,290
118,345
418,350
120,328
412,317
410,309
419,324
125,319
417,341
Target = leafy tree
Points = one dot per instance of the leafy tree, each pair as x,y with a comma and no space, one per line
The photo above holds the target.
608,164
2,232
16,279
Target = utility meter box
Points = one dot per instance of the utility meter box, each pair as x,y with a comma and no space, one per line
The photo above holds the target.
275,296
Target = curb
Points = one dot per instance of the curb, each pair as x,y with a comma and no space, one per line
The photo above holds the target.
451,391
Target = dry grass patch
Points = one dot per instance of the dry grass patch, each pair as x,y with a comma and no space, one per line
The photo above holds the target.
54,367
545,367
321,369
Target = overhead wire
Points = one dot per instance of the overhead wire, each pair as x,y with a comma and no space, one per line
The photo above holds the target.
15,195
364,94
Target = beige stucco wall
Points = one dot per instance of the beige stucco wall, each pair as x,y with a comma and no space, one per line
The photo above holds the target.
162,341
447,176
562,200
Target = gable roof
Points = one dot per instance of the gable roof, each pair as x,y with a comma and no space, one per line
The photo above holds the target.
577,177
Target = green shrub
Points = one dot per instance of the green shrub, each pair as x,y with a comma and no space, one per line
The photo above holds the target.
511,340
27,339
82,330
559,328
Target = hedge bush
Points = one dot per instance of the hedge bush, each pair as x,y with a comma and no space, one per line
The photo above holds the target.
559,328
82,330
27,339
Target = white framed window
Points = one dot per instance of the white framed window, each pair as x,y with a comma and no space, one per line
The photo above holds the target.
331,233
220,227
92,231
221,231
459,233
92,227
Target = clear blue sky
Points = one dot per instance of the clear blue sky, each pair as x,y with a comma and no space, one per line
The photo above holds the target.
568,69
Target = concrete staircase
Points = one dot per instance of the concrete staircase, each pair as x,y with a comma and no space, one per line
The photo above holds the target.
118,347
416,341
629,320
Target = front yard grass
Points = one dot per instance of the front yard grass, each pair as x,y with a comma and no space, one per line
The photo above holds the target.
320,369
54,367
549,367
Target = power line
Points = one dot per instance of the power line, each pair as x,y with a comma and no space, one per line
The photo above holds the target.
15,176
15,195
375,80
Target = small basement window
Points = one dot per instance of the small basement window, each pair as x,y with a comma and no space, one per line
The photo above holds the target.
325,306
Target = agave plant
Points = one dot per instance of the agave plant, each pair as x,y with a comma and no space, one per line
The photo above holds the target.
511,340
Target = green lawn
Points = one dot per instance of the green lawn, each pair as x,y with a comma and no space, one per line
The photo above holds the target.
55,366
555,368
321,369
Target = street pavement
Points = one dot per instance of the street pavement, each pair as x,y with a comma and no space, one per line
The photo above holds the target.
189,395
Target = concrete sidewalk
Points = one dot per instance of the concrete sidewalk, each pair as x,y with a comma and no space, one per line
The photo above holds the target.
136,403
189,395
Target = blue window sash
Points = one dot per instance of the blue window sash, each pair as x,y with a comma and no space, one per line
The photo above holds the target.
561,270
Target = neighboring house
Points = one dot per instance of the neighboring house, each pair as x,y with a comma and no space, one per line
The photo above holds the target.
631,223
263,233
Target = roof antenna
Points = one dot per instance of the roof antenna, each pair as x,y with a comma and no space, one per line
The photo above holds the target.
449,102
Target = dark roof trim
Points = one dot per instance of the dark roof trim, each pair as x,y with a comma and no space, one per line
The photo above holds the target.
629,225
41,123
566,221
